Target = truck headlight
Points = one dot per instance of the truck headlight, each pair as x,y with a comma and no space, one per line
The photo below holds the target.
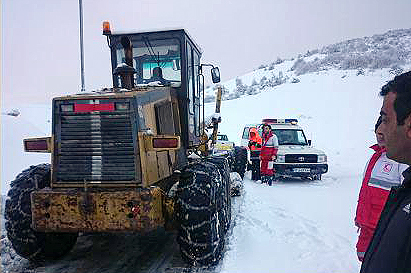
280,159
322,158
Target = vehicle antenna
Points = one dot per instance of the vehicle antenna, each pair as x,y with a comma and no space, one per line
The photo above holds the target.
81,45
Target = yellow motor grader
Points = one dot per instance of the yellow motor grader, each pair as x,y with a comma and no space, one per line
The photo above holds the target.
129,158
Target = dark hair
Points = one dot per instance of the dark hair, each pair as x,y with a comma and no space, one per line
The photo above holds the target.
401,85
377,124
266,125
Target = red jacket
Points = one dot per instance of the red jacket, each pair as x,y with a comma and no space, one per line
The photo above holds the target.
380,175
269,147
255,140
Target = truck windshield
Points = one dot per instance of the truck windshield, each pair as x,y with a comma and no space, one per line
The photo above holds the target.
150,54
222,137
290,137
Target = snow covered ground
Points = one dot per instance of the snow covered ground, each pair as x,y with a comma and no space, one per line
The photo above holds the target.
292,226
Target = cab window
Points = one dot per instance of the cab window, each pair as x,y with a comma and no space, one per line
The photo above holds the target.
190,78
246,133
149,54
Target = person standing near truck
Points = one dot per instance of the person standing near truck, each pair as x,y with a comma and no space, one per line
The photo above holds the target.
381,173
268,154
389,250
254,145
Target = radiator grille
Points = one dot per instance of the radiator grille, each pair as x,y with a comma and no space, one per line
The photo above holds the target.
95,146
301,158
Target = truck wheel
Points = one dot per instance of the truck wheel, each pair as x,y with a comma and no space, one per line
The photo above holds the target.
223,166
200,213
32,245
240,160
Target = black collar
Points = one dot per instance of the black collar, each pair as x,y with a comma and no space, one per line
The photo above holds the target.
407,178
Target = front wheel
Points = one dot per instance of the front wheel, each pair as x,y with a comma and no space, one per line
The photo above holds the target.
200,211
28,243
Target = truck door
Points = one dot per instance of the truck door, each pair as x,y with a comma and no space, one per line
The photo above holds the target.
193,62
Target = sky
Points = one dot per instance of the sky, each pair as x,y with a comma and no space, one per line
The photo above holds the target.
40,39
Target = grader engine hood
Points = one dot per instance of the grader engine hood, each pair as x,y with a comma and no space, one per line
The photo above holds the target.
116,140
94,142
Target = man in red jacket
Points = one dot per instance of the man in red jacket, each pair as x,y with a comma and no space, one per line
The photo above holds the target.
380,175
390,248
268,154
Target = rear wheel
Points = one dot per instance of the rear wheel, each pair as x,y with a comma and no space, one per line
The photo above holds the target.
240,160
200,211
28,243
224,168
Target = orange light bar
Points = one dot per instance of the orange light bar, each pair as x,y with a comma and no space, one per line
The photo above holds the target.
106,28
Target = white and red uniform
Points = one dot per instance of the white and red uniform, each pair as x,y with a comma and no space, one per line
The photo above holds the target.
268,150
381,173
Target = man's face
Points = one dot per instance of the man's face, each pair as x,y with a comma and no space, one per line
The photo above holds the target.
397,137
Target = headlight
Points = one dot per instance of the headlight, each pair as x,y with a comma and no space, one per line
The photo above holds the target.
280,159
322,158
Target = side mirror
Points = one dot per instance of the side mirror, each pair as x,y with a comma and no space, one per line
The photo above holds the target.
215,74
309,142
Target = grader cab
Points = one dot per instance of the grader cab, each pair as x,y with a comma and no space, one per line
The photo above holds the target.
127,158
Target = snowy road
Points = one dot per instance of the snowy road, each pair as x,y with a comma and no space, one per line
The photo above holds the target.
292,226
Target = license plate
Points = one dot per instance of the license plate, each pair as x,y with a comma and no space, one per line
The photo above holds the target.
301,170
223,147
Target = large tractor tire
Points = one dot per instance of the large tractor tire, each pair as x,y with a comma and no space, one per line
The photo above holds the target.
240,160
32,245
200,213
224,168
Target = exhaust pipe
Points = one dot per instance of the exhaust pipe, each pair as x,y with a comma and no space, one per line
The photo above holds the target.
128,50
126,71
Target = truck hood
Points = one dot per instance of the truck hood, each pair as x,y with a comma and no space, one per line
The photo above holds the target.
298,149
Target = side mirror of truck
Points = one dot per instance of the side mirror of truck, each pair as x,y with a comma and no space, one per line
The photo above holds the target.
215,74
309,142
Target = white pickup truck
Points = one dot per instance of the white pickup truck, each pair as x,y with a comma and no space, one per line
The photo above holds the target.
296,157
223,144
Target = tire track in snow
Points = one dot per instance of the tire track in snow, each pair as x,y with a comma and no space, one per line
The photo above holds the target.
286,234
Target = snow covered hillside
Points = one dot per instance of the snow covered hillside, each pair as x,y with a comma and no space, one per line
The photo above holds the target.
391,50
292,226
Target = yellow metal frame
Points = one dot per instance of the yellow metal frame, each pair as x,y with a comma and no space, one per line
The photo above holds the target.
99,211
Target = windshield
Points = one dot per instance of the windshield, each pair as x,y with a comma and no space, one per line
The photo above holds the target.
290,137
150,54
222,137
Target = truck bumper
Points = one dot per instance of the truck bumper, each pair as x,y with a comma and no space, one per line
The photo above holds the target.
140,210
300,170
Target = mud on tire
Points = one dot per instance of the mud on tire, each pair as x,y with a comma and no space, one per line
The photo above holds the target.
240,161
32,245
200,211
